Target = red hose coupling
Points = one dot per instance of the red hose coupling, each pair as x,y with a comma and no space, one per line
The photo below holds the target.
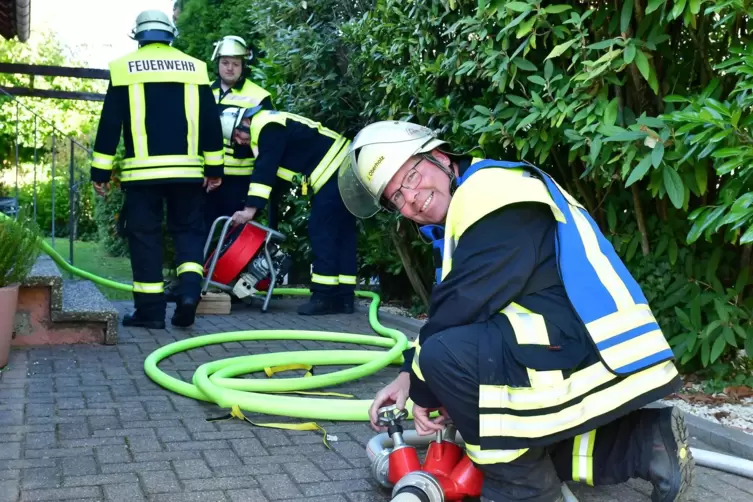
465,480
402,461
441,458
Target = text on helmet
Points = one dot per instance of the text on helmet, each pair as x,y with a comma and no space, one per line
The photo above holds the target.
160,65
374,167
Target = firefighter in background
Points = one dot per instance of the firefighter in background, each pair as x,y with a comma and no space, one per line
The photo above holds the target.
289,147
234,90
540,346
161,99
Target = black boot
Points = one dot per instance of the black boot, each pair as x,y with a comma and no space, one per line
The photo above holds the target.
138,320
345,304
318,305
667,461
185,312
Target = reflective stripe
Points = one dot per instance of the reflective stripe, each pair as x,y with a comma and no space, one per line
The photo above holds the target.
191,102
136,103
347,279
190,267
285,174
161,173
162,160
329,164
259,190
148,287
606,272
238,171
233,162
328,280
583,462
592,405
617,323
102,161
240,100
529,328
214,158
415,364
480,456
229,150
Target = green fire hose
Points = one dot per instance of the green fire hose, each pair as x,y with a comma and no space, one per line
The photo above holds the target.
214,382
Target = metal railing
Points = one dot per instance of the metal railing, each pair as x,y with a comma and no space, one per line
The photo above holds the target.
77,174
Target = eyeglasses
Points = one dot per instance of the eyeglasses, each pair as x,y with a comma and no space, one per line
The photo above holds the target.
410,181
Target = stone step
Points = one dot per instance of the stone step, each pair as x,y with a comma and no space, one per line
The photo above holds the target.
83,302
54,310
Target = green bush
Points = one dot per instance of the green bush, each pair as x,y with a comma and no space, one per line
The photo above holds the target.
19,249
641,109
84,221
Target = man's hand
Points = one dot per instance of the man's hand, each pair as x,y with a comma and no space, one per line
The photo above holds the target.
426,425
212,183
101,188
395,393
243,217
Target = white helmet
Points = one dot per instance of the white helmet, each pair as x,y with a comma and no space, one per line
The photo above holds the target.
230,46
153,26
231,119
378,152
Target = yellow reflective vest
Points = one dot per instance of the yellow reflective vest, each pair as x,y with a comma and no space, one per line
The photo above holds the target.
161,100
246,94
636,361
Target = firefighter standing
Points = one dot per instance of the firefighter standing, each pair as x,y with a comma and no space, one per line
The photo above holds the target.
233,90
161,98
542,354
288,146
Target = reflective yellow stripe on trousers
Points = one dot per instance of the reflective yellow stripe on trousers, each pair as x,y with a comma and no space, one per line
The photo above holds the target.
190,267
583,461
327,280
149,287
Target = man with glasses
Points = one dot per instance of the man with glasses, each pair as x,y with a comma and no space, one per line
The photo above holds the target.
540,346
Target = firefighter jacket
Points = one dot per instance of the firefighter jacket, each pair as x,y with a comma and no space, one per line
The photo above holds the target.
239,160
291,147
521,254
161,99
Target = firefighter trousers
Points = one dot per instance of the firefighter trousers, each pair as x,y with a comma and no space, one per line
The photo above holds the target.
333,234
226,199
143,227
610,454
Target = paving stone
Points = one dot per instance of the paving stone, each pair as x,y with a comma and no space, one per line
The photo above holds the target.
278,486
191,469
10,451
190,497
160,481
9,490
251,495
305,472
126,492
80,466
43,477
77,494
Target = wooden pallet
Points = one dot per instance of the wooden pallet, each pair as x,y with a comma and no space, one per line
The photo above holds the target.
214,303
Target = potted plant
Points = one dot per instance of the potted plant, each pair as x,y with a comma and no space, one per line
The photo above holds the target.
19,249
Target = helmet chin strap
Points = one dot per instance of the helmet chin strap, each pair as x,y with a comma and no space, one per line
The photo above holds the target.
449,172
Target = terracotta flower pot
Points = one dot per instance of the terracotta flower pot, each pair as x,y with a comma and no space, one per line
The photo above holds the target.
8,303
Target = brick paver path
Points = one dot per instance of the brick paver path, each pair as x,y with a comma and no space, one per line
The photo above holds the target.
84,423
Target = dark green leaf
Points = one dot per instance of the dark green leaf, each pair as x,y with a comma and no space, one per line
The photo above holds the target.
610,113
524,64
626,15
718,348
657,154
559,49
640,170
674,187
629,54
626,136
641,61
518,6
595,149
705,350
517,100
653,5
556,9
701,177
537,79
747,237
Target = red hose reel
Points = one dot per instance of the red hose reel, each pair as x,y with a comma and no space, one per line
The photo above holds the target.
241,246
